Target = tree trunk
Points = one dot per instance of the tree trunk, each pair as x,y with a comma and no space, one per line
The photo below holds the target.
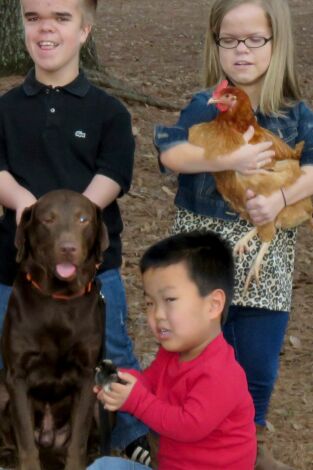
13,56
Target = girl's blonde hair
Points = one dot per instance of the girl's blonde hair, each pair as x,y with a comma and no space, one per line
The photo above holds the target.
280,86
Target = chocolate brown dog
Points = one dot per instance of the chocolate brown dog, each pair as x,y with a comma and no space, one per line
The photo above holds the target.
53,329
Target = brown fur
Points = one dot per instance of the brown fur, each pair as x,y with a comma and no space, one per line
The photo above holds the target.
224,135
50,346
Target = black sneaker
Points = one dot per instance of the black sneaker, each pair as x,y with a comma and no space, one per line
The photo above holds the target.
139,451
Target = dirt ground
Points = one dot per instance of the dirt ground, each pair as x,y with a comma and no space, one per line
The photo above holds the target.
156,48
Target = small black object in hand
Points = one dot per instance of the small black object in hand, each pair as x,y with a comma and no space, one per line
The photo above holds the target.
106,374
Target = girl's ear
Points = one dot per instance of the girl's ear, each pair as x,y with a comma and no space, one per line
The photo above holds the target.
216,300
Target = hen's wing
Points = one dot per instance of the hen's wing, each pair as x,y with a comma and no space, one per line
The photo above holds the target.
216,138
282,150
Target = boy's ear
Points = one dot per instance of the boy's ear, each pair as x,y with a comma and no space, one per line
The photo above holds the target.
217,301
86,29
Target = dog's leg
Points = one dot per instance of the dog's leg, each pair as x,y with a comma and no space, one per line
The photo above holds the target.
23,426
82,415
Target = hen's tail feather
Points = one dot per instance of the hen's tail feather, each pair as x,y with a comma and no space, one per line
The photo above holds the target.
298,150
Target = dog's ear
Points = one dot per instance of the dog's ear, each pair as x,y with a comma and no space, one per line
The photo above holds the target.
21,241
102,237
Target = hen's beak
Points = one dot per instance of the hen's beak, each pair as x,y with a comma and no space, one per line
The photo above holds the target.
213,100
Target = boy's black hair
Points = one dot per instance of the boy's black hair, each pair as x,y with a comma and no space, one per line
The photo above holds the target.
207,256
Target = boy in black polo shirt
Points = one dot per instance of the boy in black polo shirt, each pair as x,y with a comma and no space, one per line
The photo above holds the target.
57,130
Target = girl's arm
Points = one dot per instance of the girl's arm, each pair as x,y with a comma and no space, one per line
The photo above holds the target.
178,155
189,158
263,209
302,188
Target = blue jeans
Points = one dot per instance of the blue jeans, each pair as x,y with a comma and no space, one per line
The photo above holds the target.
116,463
118,347
5,292
257,337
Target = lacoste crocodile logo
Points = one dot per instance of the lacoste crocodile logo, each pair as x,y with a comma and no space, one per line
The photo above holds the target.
80,134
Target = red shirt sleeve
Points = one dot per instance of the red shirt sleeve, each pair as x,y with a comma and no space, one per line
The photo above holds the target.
150,375
202,411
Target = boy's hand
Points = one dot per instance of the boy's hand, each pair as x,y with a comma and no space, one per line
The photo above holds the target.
118,393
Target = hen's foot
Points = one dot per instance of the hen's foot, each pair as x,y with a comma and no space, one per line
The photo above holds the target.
254,272
242,246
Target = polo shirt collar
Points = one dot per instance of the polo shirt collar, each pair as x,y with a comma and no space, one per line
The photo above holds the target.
78,87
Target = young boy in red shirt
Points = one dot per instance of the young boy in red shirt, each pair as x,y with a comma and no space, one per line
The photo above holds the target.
194,394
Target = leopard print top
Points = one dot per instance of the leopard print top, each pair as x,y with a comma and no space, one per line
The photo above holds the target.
275,285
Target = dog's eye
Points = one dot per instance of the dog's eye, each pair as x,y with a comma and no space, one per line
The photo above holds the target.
83,219
48,220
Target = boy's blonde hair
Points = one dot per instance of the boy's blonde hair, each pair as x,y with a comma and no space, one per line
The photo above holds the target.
89,11
280,86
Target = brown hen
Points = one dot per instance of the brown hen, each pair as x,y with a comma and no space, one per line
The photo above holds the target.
223,136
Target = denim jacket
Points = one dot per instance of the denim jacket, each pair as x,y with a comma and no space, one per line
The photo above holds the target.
197,192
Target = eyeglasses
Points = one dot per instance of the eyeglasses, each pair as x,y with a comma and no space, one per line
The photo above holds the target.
252,42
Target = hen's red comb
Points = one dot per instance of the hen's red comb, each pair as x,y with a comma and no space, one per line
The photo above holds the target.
220,87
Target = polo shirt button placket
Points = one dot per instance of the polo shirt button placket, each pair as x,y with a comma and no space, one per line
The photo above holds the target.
52,108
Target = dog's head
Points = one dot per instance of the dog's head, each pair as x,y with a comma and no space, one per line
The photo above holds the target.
61,236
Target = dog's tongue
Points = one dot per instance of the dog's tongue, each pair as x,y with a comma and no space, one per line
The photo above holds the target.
65,270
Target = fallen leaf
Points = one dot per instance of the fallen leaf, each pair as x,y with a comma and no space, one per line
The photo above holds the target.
296,426
168,191
295,342
270,426
136,131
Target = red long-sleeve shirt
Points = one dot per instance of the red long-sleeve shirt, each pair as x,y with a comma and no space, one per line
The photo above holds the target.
201,409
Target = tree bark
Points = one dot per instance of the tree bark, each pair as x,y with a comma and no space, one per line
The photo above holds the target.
13,56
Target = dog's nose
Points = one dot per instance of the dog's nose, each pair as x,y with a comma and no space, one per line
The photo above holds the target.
68,248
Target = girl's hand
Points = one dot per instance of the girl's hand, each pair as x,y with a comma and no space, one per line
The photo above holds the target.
250,158
117,396
264,209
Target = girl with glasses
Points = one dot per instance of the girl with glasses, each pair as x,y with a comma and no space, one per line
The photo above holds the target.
250,44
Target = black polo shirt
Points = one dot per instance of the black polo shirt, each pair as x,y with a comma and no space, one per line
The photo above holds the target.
53,138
